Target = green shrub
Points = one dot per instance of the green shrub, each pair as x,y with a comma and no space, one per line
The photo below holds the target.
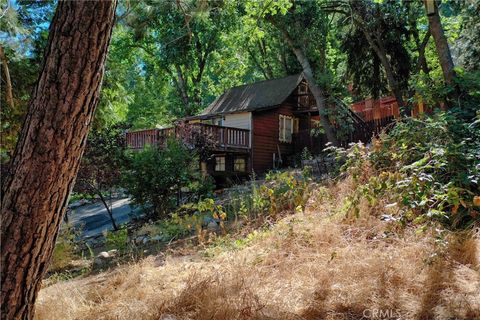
187,219
428,167
155,176
116,239
201,187
281,191
65,249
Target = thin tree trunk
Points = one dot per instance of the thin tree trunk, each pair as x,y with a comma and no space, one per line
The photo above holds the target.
422,61
109,211
441,44
381,54
182,86
50,147
316,90
8,81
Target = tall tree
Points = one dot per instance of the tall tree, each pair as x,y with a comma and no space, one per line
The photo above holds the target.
49,149
468,44
102,161
302,27
441,43
183,36
23,25
317,91
382,28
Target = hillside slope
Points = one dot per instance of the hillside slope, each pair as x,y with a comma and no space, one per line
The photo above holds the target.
311,265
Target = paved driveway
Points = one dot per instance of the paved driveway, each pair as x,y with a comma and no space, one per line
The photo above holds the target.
93,218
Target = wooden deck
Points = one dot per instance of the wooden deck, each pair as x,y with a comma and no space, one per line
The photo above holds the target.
218,137
371,109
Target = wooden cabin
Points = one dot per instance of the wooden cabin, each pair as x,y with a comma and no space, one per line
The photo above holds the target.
255,127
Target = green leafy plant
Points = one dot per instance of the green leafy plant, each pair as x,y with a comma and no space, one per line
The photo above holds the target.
117,239
155,176
428,167
282,191
65,249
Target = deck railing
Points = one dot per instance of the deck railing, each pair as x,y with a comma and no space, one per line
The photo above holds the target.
225,136
141,138
218,137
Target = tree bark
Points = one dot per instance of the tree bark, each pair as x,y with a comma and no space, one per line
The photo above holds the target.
316,90
8,81
441,44
47,155
422,61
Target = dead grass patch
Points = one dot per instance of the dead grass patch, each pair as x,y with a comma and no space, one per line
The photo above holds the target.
314,265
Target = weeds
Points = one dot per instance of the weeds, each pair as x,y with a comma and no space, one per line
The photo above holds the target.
65,249
117,239
307,266
428,169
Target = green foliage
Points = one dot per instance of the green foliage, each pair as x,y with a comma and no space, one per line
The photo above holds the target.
178,226
468,44
116,239
155,176
201,187
102,161
65,249
180,39
281,191
429,168
387,24
186,219
306,154
23,34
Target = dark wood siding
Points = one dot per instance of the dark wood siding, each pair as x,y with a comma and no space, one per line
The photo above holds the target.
265,137
304,139
229,176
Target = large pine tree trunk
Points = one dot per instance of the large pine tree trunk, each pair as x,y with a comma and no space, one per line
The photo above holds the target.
49,149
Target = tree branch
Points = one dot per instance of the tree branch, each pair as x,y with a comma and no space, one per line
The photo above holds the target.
8,81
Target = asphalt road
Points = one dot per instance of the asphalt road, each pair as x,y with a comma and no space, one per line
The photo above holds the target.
93,219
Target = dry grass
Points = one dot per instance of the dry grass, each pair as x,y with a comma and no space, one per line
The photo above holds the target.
308,266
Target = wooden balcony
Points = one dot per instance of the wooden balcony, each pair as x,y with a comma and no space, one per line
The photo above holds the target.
219,138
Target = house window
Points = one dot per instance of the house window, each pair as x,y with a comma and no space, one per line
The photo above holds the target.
220,163
296,124
303,101
285,128
302,88
240,164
